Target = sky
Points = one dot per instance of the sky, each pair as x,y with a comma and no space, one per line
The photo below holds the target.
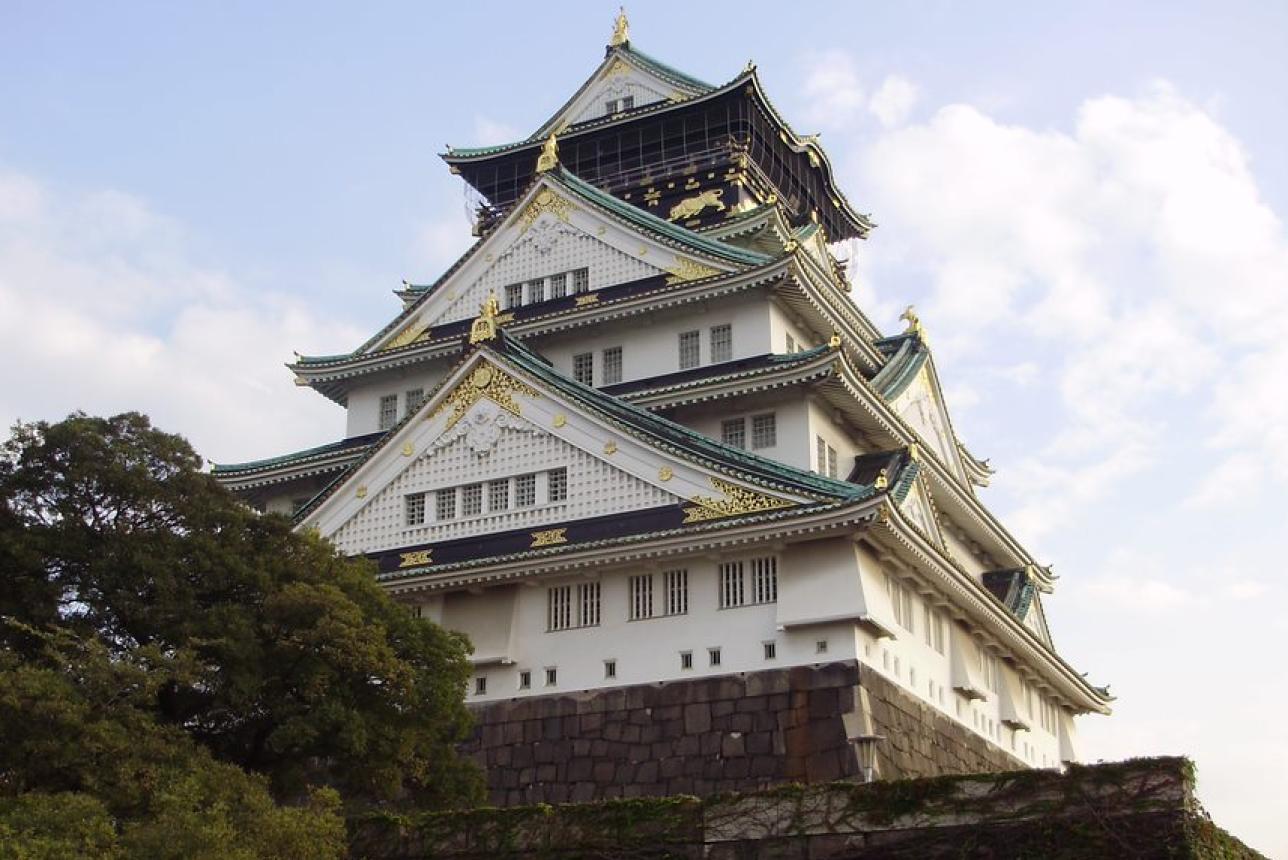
1085,202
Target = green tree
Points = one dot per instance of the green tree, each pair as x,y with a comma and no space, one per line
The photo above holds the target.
278,655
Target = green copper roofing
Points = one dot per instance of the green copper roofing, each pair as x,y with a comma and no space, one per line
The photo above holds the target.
351,444
899,372
663,69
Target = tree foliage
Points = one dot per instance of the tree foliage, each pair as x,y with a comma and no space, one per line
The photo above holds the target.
148,609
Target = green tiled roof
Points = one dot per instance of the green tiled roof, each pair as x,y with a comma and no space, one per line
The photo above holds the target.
353,443
907,355
663,70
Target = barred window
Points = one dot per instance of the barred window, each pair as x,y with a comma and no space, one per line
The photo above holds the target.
558,285
580,280
480,685
764,580
557,483
771,650
690,349
686,659
552,676
388,411
764,431
820,455
559,607
525,679
513,295
498,495
731,587
612,365
415,509
536,290
676,583
414,397
610,668
588,600
733,431
831,462
641,595
721,343
583,368
445,504
471,500
713,655
525,491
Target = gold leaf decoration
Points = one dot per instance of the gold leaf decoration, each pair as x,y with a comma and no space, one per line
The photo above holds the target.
406,336
689,270
665,473
560,420
413,559
546,201
737,500
486,381
549,537
586,299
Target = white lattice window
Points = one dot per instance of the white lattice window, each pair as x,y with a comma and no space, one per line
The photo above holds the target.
820,455
525,491
690,349
612,365
732,592
588,600
498,495
388,411
413,398
536,290
583,368
613,106
641,596
580,280
480,685
686,659
832,470
415,505
513,295
525,679
764,431
764,580
559,607
733,431
713,656
901,602
445,504
721,343
558,285
471,500
676,583
552,676
771,650
557,485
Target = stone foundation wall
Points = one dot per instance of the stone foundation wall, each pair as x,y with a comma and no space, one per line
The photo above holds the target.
709,735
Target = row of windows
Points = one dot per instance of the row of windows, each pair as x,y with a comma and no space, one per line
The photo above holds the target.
501,494
720,346
764,431
613,106
610,365
541,289
741,583
388,410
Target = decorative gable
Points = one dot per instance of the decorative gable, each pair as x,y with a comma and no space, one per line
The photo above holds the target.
920,511
919,405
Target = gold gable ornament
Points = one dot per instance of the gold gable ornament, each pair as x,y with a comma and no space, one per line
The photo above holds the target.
737,500
484,327
621,29
549,158
909,315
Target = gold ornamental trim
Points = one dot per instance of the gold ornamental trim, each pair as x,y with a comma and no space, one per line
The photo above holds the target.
486,381
549,537
737,500
690,207
689,270
408,335
545,201
414,559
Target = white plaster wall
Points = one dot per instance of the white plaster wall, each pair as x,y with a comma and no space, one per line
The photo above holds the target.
791,421
782,325
363,411
645,89
963,554
822,422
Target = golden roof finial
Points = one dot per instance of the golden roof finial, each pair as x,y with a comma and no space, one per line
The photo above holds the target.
621,29
484,328
549,158
835,340
914,322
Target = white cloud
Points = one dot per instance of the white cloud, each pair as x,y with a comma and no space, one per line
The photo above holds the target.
893,101
832,89
102,309
490,132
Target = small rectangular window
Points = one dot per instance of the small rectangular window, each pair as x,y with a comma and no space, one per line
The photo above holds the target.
831,462
713,655
513,295
558,285
764,580
610,668
686,659
820,455
733,431
559,607
588,604
445,504
641,596
525,491
536,290
552,676
628,102
721,343
388,411
764,431
557,484
414,397
771,650
690,349
471,500
525,679
583,368
610,106
498,495
612,365
791,344
731,586
580,280
480,685
820,647
676,583
415,509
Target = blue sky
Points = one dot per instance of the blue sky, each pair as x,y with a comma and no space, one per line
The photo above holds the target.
1084,203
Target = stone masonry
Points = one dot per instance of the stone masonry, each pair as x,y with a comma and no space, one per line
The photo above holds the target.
726,733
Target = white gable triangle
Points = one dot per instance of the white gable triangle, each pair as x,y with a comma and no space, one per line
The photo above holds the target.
620,83
919,510
920,406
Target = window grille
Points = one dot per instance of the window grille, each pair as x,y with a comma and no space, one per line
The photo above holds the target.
690,349
525,679
498,495
445,504
771,650
721,343
558,285
388,411
536,290
525,491
764,580
513,295
471,500
557,484
414,397
731,586
610,668
831,462
480,685
677,591
612,365
641,592
580,280
559,608
583,368
686,659
415,509
820,455
764,431
552,676
733,431
820,647
713,655
588,600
